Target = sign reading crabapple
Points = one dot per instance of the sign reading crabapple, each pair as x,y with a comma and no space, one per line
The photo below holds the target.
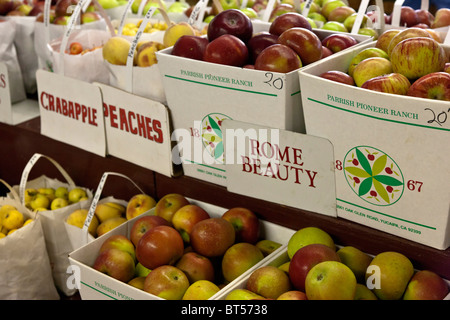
373,175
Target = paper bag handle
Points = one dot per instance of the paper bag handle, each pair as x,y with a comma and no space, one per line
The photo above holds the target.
360,16
11,189
97,195
29,166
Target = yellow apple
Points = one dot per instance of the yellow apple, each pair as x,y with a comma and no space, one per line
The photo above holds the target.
4,209
28,221
2,235
201,290
76,194
243,294
137,282
139,204
356,260
78,217
107,210
48,192
58,203
30,194
62,192
109,224
40,201
13,219
308,235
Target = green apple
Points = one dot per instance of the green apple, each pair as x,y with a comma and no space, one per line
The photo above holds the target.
108,4
48,192
239,258
62,192
267,246
58,203
317,17
243,294
249,12
369,32
76,194
364,293
229,4
308,235
40,201
201,290
350,21
269,282
142,271
178,7
356,260
364,54
328,7
334,26
330,280
370,68
389,274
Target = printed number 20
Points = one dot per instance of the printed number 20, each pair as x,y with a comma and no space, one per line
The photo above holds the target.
277,83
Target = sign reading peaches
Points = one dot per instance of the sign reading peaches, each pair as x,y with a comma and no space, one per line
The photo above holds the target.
71,111
137,129
280,166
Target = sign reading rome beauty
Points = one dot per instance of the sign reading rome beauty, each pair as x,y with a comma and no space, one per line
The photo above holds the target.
137,129
280,166
71,111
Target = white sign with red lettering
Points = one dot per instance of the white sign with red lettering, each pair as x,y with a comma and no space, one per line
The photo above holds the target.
71,111
280,166
137,129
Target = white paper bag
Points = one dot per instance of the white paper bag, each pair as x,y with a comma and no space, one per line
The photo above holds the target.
8,55
56,237
25,271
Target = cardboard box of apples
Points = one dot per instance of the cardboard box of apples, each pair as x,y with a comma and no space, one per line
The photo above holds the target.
208,79
182,248
384,106
313,267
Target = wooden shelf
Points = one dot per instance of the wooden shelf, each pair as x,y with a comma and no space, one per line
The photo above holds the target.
20,142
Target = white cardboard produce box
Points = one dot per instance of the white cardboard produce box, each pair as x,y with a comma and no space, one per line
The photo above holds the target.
276,260
391,154
95,285
200,95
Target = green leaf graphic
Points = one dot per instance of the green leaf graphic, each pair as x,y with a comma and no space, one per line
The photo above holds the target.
215,126
381,191
357,172
365,186
379,165
387,180
218,151
364,162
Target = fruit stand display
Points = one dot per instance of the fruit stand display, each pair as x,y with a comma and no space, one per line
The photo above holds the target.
194,58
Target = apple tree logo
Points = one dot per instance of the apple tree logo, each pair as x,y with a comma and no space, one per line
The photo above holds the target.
212,138
373,176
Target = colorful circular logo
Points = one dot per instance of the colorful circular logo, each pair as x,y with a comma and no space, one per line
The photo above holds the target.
373,176
212,135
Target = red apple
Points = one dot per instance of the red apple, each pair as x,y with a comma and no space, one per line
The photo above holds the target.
287,21
158,246
212,237
426,285
307,257
447,67
281,9
406,34
339,14
326,52
233,22
196,267
192,47
245,223
143,224
416,57
167,282
278,58
116,263
329,6
268,281
441,18
119,242
90,16
394,83
424,16
186,217
338,76
6,6
338,42
228,50
61,7
385,38
259,42
61,20
304,42
169,204
408,17
435,85
292,295
75,48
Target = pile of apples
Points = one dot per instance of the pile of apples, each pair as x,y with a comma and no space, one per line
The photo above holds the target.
289,44
11,220
407,62
21,8
181,252
421,18
131,28
318,270
60,13
109,215
77,48
42,199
